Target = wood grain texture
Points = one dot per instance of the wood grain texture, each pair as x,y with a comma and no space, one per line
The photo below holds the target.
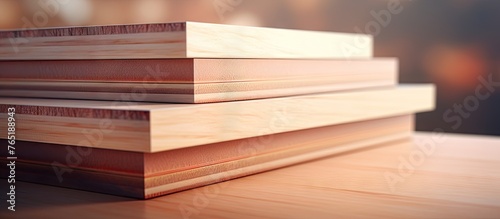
191,71
119,173
174,126
179,40
459,180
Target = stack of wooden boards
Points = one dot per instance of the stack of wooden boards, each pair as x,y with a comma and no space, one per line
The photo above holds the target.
150,109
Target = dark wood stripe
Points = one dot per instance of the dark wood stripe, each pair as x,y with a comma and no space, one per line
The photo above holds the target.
79,179
78,112
94,30
147,71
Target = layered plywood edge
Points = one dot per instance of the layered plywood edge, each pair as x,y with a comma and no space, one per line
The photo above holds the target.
190,80
150,127
179,40
191,70
148,175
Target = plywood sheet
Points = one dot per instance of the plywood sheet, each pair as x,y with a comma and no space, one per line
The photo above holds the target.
150,127
460,179
190,80
179,40
147,175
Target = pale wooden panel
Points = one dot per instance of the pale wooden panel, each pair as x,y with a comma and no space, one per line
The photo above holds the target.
189,71
225,121
179,40
216,70
226,41
174,126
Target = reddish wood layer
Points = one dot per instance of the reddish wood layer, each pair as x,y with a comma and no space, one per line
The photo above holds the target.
78,112
95,30
152,70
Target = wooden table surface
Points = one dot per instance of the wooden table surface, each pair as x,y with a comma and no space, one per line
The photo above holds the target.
458,177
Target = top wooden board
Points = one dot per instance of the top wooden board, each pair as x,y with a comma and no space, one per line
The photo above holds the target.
179,40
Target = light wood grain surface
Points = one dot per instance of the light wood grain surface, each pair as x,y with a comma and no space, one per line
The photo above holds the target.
459,179
179,40
149,127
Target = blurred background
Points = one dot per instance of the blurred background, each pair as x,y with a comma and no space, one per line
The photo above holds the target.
454,44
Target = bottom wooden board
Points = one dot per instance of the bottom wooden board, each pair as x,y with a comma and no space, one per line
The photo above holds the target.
460,178
148,175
